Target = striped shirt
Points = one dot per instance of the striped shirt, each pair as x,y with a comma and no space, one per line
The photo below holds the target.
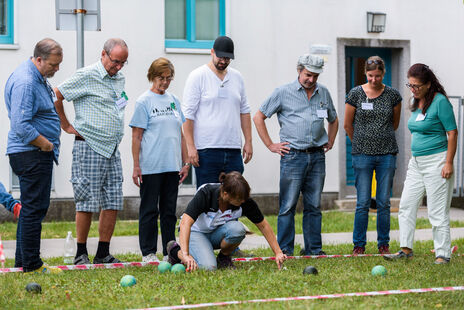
301,121
98,119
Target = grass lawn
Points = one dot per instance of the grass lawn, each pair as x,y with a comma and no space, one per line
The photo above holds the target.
99,289
332,221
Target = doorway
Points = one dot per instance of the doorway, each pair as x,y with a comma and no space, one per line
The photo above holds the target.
355,60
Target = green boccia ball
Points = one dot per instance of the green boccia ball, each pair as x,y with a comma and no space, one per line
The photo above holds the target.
379,271
127,281
164,266
178,268
310,270
34,288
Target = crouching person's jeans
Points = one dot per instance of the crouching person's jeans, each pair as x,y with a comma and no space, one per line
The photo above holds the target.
202,245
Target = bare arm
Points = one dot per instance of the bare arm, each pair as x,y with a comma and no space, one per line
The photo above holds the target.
65,124
279,148
245,122
137,134
191,149
447,170
349,120
396,116
266,229
184,238
184,171
332,133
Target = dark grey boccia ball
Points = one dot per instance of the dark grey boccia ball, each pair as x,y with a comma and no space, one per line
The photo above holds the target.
310,270
34,288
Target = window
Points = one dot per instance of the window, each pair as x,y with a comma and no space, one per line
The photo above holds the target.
190,180
6,22
14,185
193,23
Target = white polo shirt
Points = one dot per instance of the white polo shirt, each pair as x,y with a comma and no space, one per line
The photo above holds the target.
215,107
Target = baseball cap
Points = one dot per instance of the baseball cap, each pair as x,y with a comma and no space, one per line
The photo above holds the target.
312,63
224,47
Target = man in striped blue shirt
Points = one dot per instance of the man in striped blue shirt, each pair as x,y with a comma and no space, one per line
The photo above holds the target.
301,108
97,92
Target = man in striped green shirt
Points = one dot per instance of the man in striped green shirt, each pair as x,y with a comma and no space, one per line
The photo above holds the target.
97,92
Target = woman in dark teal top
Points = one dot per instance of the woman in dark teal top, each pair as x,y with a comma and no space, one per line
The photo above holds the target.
430,171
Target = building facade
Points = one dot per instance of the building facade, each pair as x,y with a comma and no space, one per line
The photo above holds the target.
269,36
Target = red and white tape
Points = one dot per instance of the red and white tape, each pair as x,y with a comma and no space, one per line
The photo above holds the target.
141,264
89,266
375,293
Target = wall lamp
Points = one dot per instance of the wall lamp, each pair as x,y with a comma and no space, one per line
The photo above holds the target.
376,22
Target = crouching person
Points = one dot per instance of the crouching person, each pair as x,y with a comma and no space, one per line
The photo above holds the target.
210,222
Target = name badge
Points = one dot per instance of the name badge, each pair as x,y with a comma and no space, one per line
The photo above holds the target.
222,92
322,113
367,106
420,117
121,102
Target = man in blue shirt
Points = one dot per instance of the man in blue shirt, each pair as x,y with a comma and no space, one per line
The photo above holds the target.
301,108
33,146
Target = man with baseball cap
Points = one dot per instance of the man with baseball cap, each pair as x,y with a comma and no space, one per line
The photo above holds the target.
217,112
301,108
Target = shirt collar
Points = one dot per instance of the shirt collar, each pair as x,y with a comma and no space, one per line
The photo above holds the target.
102,71
298,86
35,71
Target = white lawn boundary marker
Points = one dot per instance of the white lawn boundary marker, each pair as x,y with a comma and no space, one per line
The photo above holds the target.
329,296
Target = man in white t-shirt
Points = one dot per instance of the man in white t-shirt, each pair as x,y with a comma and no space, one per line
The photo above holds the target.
217,112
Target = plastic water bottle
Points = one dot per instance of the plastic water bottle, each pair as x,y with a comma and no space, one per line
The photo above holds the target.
69,249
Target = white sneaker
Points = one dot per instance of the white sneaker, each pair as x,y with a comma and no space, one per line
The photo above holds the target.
150,258
165,258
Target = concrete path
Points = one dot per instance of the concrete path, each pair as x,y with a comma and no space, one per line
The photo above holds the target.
130,244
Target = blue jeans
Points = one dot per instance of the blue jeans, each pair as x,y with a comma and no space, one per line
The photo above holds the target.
214,161
305,173
6,199
364,166
202,245
34,170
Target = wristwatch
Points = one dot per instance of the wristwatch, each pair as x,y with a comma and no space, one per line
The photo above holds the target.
186,164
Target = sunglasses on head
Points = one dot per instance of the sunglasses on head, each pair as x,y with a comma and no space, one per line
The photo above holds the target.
374,61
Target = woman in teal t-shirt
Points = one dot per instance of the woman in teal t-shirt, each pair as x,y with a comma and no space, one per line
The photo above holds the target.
430,171
158,151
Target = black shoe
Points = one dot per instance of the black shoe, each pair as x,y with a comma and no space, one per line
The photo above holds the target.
240,253
441,260
224,261
82,260
173,247
287,252
320,253
110,259
399,255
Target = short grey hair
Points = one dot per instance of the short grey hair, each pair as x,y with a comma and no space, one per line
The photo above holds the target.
46,47
111,43
299,67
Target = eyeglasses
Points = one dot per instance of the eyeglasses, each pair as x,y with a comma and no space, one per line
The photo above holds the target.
117,62
374,61
414,87
164,78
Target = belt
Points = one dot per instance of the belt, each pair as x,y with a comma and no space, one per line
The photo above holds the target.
310,149
79,138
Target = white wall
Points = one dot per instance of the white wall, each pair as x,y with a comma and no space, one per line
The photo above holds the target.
269,36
